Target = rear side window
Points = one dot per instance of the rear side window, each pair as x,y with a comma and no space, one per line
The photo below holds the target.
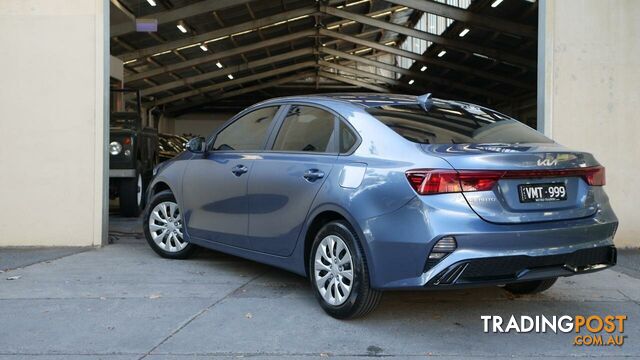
347,138
249,132
454,123
306,129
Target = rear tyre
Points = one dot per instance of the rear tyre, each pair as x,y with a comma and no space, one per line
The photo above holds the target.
530,287
339,274
131,194
162,224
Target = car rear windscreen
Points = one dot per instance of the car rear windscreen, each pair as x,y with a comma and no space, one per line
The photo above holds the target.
454,123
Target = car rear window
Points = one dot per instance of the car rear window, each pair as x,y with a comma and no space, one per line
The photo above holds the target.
454,123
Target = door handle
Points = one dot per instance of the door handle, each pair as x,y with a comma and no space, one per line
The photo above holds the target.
239,170
313,175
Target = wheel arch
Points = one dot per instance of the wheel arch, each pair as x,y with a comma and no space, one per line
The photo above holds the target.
156,187
322,216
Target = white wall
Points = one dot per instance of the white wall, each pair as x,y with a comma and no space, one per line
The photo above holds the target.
197,123
590,54
52,65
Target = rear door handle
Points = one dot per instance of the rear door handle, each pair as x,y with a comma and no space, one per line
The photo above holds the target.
313,175
239,170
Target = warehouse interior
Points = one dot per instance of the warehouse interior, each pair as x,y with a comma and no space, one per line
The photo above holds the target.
218,57
553,65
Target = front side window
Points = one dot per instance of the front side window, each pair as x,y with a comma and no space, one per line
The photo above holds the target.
249,132
306,129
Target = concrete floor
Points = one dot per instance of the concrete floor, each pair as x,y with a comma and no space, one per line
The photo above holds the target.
124,302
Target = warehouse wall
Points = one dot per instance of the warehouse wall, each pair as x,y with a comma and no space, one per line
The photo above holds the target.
201,124
590,71
53,64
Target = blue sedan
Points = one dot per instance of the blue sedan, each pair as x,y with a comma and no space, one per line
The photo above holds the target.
363,193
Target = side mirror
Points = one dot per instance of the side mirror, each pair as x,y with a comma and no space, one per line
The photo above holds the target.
196,145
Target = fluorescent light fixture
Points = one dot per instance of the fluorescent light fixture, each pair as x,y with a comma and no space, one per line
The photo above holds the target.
357,2
219,65
204,47
411,82
423,68
216,39
362,50
441,53
381,14
390,43
481,56
242,33
463,32
129,62
496,3
161,53
187,46
353,3
230,77
182,27
152,2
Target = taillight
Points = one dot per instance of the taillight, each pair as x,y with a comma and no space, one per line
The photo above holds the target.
426,182
440,181
596,176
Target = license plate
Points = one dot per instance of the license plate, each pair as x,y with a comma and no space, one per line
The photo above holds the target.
542,192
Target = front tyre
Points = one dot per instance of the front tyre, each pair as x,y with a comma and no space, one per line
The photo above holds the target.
162,225
339,274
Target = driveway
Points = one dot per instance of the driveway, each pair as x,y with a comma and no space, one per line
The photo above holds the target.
124,302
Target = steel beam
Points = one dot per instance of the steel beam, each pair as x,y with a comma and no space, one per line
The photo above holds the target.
220,55
355,82
178,14
426,60
226,71
229,94
218,86
413,74
230,30
266,85
441,40
124,10
360,73
466,16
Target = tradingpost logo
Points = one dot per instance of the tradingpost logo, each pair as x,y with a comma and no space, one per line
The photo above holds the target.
592,330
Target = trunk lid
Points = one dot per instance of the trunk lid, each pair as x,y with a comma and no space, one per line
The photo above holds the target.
503,203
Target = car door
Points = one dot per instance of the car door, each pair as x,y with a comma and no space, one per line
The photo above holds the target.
285,179
215,183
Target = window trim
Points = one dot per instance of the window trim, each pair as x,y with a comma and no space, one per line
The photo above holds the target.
336,128
212,139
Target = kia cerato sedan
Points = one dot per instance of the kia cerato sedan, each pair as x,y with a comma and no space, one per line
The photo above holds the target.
363,193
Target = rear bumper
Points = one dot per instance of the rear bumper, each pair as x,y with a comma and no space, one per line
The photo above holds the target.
398,244
508,269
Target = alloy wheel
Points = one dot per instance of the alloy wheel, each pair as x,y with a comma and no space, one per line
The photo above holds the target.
165,227
333,270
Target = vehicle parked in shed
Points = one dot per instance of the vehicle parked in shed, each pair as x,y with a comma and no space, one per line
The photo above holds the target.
133,152
170,146
364,193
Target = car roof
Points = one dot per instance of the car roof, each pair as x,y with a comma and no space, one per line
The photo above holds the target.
365,100
361,99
